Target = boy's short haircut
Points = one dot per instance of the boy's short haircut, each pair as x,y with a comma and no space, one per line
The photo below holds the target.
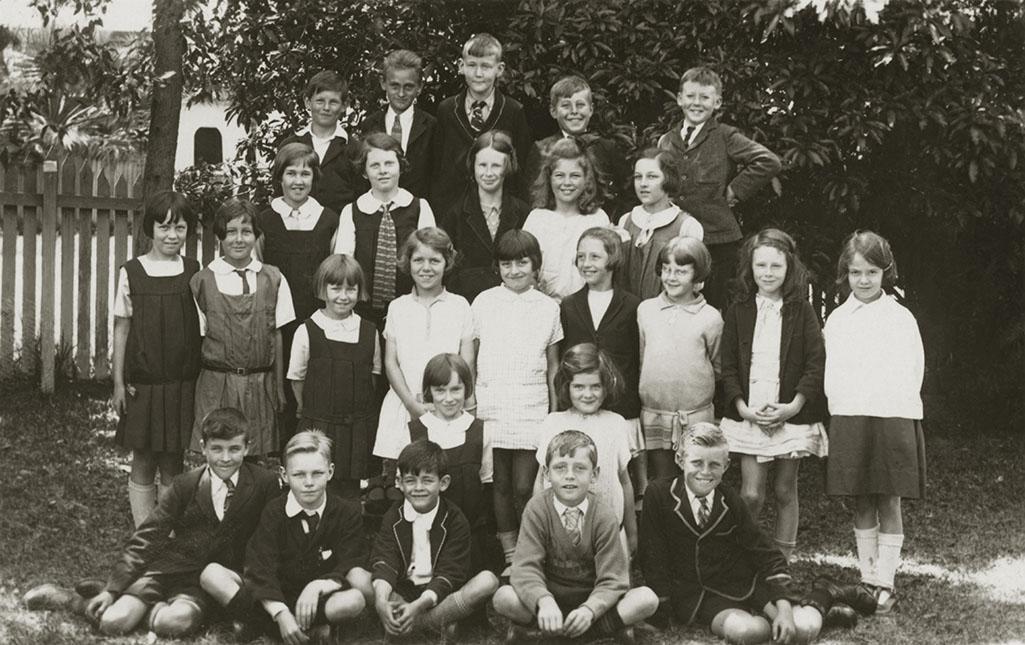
224,424
704,434
294,154
569,441
516,244
483,44
433,238
610,240
702,75
232,209
684,251
168,204
439,370
669,163
566,87
423,456
586,358
402,59
500,141
380,141
326,81
307,441
876,251
338,269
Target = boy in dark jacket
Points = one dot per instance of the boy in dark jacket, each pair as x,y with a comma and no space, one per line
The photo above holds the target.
422,552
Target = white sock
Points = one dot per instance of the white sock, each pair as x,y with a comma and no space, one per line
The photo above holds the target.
142,498
868,553
889,558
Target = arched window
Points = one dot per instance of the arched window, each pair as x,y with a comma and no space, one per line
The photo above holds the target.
207,146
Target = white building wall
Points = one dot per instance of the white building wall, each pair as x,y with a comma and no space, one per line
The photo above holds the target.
205,115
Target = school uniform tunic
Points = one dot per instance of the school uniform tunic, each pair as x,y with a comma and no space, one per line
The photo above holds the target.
650,233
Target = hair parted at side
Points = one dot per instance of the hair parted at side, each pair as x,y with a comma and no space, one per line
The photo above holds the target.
433,238
294,154
224,424
875,249
566,87
517,244
586,358
704,434
687,250
795,284
569,441
438,373
326,81
610,240
669,163
500,141
168,206
702,75
307,441
483,44
423,456
402,59
379,141
567,149
339,269
235,208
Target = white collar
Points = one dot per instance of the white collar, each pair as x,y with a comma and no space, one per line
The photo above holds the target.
367,203
405,116
217,482
348,324
692,307
648,222
309,208
509,294
436,424
762,303
339,133
220,266
419,519
853,304
561,508
694,499
489,100
694,132
293,507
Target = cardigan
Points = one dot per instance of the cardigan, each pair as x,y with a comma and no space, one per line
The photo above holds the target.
730,557
802,358
183,534
416,178
719,157
454,136
392,554
547,564
617,335
340,181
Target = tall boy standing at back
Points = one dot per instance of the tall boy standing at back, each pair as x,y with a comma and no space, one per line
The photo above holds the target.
479,108
719,167
326,96
412,127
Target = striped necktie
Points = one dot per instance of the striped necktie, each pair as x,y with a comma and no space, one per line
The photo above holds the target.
228,494
385,261
396,131
571,520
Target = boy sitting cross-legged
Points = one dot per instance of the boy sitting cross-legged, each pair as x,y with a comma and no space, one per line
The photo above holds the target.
724,571
570,570
205,517
304,562
422,553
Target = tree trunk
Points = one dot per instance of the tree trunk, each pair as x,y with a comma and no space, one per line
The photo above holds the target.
165,103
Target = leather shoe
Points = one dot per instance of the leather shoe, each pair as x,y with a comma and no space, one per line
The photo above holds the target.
857,597
841,616
625,636
89,587
49,597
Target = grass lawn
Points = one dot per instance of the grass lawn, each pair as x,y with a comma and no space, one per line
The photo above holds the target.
64,514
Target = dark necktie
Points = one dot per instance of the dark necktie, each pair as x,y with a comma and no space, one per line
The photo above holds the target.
385,261
571,520
396,130
704,511
687,131
312,520
228,494
245,283
477,115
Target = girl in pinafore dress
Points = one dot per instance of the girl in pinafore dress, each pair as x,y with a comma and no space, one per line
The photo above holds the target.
517,331
243,304
679,338
873,383
156,351
297,232
335,360
772,363
447,386
428,321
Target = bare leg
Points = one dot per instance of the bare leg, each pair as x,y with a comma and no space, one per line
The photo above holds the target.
787,505
752,486
636,605
177,618
123,616
507,603
220,582
738,626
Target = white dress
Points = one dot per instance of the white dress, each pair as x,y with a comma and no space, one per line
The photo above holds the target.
558,236
418,333
793,440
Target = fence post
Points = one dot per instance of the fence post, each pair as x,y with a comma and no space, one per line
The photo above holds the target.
48,286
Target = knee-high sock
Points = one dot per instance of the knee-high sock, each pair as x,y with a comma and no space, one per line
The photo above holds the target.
142,498
508,541
868,553
889,558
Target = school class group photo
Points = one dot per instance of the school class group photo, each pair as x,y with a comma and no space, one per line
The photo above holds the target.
452,381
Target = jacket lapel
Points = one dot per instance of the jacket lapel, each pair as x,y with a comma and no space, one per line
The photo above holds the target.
678,490
786,333
418,128
403,532
204,496
577,304
243,490
706,129
612,312
333,150
475,220
437,534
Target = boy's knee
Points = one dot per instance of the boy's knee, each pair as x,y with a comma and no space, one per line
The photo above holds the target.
176,619
122,617
808,622
646,601
745,629
343,605
362,581
213,575
482,585
506,602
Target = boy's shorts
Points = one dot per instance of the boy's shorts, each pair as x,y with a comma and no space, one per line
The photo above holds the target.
168,587
258,618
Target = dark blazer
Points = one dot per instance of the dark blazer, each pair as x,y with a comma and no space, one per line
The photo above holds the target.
183,534
340,182
615,172
281,560
617,334
392,554
417,178
475,267
719,157
730,558
802,358
452,140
